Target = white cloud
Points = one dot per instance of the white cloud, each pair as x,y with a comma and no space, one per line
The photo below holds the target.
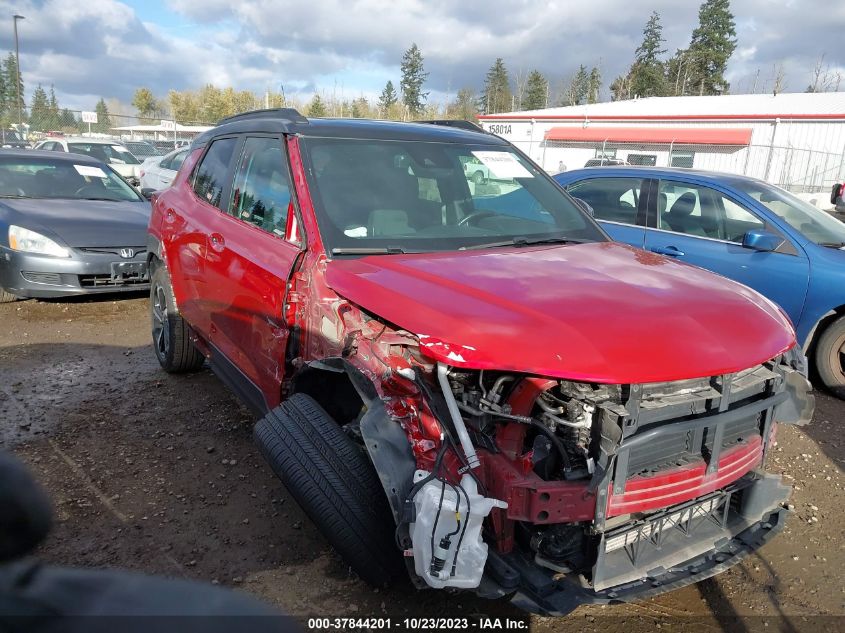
106,48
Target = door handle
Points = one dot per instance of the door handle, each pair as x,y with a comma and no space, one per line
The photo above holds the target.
671,251
217,242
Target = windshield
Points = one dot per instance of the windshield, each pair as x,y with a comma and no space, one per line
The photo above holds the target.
809,220
406,196
39,178
115,154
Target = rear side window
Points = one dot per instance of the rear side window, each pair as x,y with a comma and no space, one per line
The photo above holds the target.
261,192
210,176
612,199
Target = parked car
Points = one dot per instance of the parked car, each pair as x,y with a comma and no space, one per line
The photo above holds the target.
142,149
165,147
837,199
739,227
69,225
159,171
604,162
426,365
11,139
112,152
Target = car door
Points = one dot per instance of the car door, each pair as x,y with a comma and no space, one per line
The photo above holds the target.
249,260
619,204
704,225
189,222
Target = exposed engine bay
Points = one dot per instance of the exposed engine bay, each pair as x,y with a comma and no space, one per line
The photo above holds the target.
563,476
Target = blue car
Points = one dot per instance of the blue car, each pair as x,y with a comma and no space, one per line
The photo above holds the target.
739,227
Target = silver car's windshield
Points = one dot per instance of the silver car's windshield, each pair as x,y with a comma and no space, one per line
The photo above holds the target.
45,178
812,222
410,195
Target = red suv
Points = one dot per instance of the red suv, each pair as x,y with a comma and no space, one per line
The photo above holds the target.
515,403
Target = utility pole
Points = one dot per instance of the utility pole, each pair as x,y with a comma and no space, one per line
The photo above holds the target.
15,19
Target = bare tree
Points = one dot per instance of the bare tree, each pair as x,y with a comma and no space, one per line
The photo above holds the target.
778,78
823,80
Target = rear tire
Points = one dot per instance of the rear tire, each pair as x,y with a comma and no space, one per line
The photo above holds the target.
334,482
7,297
171,335
830,357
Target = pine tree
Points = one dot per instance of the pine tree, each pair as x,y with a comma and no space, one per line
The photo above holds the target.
103,119
11,77
594,85
580,86
387,99
536,91
360,108
713,42
496,96
39,111
413,78
316,108
647,77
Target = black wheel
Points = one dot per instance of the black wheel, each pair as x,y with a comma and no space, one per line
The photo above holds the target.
7,297
478,177
171,341
830,357
333,480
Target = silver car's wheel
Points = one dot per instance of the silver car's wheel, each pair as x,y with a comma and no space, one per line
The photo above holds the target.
171,334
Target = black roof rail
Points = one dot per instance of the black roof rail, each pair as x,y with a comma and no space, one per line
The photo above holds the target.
289,114
457,123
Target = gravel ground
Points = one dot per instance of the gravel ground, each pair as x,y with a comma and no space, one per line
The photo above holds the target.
158,473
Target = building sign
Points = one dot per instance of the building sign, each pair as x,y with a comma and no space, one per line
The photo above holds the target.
499,128
89,117
168,125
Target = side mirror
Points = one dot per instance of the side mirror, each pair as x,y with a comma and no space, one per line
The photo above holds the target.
762,241
585,206
148,192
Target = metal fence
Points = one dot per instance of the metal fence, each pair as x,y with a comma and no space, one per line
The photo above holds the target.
800,170
35,124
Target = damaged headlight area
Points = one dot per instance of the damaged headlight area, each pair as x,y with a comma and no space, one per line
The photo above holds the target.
543,486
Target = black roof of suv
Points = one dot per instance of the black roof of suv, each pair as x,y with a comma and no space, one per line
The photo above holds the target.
289,121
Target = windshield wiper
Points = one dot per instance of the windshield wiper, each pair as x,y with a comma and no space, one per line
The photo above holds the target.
387,250
104,199
526,241
16,196
832,244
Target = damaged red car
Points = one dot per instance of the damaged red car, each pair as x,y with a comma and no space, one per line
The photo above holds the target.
482,398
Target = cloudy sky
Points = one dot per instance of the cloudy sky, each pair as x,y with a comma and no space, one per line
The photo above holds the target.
93,48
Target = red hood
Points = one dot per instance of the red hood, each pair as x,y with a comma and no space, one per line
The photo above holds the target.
600,312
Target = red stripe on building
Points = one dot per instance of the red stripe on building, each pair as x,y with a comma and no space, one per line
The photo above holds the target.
647,135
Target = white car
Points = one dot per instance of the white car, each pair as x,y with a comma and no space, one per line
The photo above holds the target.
114,153
157,172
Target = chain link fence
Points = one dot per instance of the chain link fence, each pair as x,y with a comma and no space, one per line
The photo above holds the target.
799,170
36,124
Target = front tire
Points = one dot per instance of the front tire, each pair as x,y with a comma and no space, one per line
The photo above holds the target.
7,297
830,357
171,338
334,482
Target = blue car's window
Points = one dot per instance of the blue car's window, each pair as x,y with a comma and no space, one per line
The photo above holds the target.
809,220
612,199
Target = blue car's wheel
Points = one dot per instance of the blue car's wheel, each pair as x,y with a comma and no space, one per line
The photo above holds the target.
830,357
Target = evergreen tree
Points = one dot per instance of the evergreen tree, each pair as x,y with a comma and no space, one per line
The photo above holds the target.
103,119
647,77
579,87
594,85
413,78
316,108
67,119
11,76
387,99
39,111
536,91
713,42
496,96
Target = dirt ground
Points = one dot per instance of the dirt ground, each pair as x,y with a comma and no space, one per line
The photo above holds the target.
159,473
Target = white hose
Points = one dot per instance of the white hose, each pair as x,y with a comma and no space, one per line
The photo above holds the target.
457,420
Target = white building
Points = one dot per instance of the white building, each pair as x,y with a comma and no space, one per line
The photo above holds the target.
794,140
